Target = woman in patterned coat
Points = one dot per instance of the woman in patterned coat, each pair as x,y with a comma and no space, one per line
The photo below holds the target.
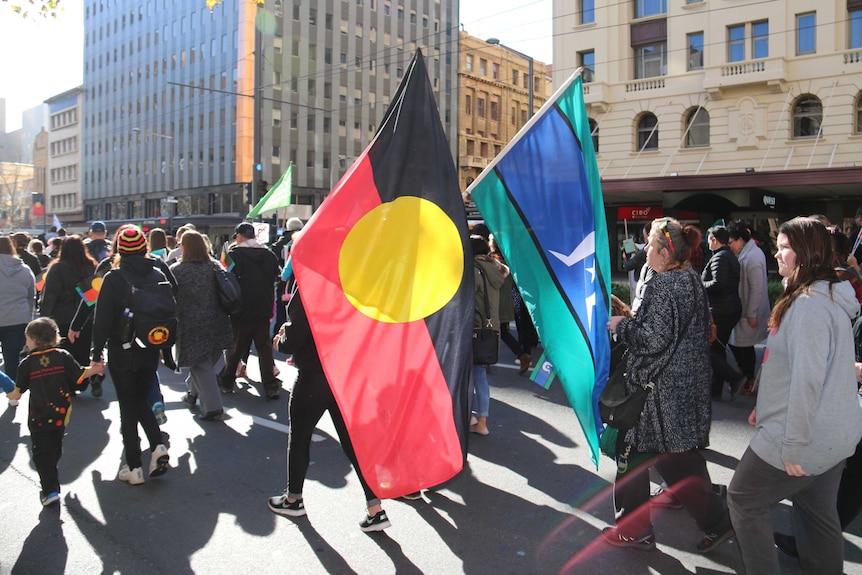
203,328
668,342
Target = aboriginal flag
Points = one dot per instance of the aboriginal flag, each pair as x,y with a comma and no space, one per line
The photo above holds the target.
542,199
388,289
89,290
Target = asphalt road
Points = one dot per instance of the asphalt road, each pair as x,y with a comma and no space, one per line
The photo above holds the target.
529,500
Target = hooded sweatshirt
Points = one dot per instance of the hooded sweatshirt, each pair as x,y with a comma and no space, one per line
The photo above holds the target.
808,409
17,291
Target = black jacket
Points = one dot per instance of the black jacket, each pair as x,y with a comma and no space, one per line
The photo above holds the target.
297,338
721,279
257,271
59,298
31,260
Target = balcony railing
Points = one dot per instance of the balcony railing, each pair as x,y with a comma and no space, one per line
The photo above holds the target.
769,71
645,84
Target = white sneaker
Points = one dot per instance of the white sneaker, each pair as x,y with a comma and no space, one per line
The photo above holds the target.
159,461
131,476
13,403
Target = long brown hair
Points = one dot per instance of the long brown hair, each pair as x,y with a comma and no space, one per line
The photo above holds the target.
813,246
75,255
194,248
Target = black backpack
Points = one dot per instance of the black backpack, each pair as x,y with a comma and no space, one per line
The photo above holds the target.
150,312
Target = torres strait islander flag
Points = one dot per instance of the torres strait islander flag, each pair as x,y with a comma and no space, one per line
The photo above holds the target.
387,284
541,197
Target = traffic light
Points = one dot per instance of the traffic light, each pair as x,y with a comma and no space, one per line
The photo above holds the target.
249,195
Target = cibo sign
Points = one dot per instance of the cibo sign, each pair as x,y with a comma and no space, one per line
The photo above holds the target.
639,212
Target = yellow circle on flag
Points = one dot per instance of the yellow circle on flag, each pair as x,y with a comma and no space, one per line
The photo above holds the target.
97,283
402,261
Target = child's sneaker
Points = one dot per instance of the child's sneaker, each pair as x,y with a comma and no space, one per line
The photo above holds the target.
159,460
131,476
96,385
280,505
47,500
377,523
159,412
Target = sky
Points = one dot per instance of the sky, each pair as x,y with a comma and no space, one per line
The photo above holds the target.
47,54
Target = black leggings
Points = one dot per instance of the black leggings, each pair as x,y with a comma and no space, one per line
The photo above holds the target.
310,398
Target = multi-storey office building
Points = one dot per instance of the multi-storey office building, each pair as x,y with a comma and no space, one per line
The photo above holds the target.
187,103
63,176
720,108
495,91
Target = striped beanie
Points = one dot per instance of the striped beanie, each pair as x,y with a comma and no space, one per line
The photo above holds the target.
131,241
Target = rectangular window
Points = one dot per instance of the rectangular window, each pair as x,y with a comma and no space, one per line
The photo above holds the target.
495,71
468,63
806,33
468,105
760,40
480,107
645,8
587,60
588,11
695,51
493,110
736,43
483,66
855,32
650,61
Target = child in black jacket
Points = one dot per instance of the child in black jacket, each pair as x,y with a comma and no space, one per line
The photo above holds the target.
51,375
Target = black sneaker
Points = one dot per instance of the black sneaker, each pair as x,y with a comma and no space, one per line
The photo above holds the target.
280,505
787,544
613,536
96,385
715,538
377,523
224,385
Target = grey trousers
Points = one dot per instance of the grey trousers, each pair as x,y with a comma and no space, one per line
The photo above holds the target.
756,487
202,382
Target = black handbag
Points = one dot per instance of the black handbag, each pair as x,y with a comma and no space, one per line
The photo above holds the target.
228,291
486,340
619,408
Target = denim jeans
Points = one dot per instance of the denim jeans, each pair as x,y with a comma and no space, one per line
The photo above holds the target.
482,391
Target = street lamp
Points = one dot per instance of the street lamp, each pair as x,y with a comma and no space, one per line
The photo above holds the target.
170,166
496,42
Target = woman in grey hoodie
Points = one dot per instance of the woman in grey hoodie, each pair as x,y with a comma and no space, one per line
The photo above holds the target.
807,415
17,298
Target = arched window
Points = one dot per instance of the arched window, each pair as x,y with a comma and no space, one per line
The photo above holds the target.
858,125
594,132
648,132
807,115
697,128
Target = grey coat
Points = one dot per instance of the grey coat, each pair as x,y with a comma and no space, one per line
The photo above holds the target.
668,345
754,296
202,326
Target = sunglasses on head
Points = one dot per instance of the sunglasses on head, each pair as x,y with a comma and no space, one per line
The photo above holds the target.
662,227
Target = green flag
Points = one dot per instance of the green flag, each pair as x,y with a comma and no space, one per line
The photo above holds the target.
277,197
